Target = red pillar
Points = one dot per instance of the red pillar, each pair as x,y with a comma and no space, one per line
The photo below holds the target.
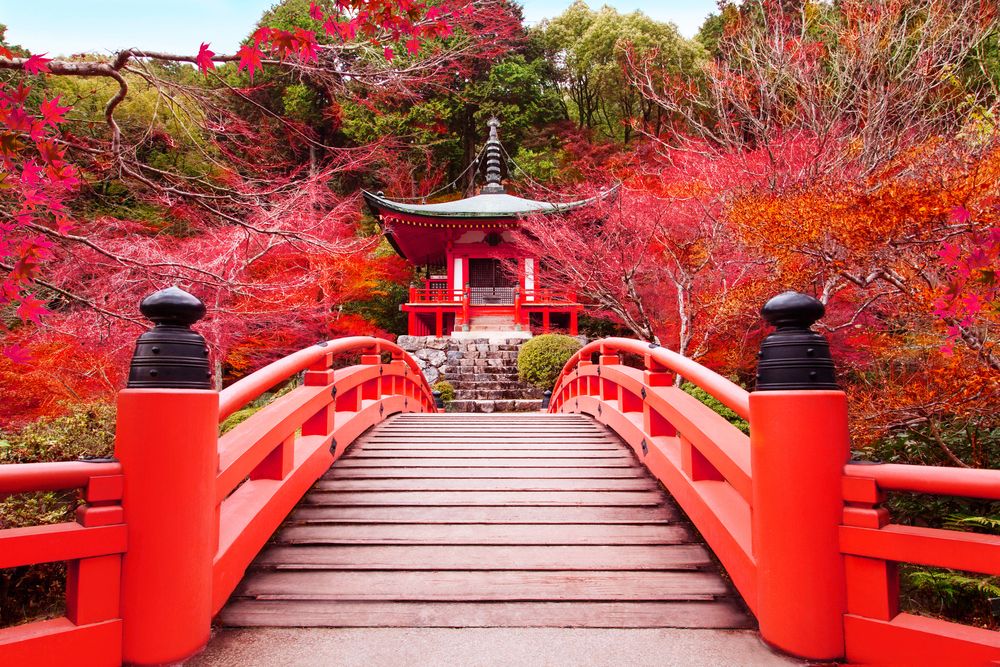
167,441
799,445
574,325
546,321
411,323
438,323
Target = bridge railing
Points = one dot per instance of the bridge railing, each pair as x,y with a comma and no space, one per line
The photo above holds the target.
297,437
800,531
92,548
197,507
876,632
700,457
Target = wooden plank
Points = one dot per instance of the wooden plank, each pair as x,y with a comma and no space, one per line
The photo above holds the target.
436,557
468,498
492,454
478,586
720,614
523,484
463,462
459,515
486,534
338,472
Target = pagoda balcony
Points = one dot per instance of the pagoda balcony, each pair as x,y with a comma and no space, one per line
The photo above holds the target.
441,311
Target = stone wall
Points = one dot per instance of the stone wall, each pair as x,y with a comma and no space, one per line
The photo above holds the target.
432,354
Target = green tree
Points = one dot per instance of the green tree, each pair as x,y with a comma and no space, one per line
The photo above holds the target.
592,49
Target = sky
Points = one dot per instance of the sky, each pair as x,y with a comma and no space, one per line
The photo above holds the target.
62,27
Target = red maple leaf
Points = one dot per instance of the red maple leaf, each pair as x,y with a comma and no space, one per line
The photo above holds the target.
413,45
315,12
204,59
52,113
389,54
249,59
31,309
37,64
306,44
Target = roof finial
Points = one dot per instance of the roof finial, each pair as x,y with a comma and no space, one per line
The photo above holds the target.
493,185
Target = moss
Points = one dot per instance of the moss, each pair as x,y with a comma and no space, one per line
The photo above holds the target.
542,358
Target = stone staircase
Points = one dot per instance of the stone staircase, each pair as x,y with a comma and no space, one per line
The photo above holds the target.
484,374
492,323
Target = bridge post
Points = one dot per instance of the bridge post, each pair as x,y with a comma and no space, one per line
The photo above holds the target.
799,445
166,440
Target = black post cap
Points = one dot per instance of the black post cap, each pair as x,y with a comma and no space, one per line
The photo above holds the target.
438,401
546,398
171,355
794,356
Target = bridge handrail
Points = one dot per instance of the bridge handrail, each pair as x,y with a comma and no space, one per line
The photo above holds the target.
730,394
237,395
686,445
53,475
936,480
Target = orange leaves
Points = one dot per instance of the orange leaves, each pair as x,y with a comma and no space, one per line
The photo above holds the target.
60,370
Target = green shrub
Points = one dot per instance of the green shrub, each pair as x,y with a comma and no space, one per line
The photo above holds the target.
447,391
717,406
542,358
87,431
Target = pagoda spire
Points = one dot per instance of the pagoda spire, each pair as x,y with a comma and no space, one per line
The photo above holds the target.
494,185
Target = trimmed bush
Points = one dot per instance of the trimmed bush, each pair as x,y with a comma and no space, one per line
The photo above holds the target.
447,391
542,358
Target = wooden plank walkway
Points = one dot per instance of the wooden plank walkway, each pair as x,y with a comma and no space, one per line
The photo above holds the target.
462,520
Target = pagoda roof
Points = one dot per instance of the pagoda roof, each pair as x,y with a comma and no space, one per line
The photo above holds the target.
491,206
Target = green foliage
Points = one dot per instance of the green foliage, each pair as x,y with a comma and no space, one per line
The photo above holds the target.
87,431
949,593
248,411
716,406
590,48
382,309
976,444
447,391
542,358
987,524
301,103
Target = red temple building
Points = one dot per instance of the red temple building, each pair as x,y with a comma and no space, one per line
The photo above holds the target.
476,279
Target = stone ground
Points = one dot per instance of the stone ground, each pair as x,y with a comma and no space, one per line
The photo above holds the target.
485,647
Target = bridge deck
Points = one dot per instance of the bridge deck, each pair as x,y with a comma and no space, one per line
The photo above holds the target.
457,520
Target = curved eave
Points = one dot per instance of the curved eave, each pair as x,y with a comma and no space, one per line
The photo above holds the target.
481,207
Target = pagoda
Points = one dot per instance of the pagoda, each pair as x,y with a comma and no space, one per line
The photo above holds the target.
477,281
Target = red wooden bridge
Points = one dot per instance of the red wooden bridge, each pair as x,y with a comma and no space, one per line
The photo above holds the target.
384,511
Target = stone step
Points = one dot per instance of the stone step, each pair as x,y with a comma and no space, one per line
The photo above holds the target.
483,373
495,406
494,395
505,384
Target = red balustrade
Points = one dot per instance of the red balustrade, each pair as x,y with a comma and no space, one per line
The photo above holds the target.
876,631
92,547
803,537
